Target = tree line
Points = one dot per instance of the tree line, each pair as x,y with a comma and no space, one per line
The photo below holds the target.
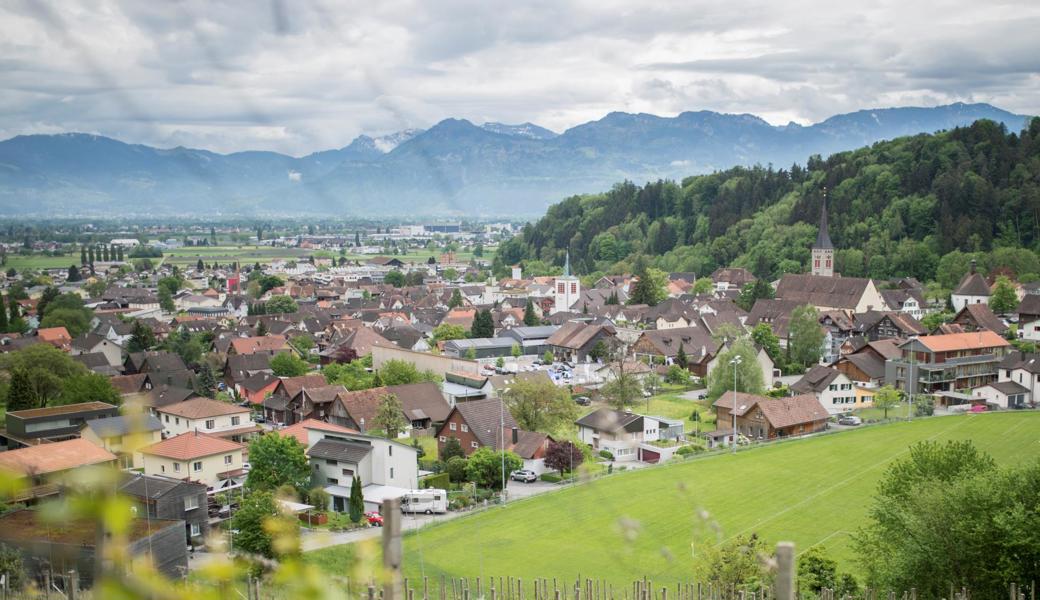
919,206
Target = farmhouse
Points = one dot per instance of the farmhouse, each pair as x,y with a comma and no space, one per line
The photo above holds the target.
764,418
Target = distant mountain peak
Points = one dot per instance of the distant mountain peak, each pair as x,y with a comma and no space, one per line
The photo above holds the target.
453,168
523,130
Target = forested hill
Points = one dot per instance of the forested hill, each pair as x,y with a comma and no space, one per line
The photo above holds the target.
899,207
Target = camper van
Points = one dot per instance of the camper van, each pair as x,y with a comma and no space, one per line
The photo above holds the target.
425,501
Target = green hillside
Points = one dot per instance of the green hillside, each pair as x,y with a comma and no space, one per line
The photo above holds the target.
913,206
654,522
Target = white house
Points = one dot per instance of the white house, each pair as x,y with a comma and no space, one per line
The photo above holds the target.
1005,394
972,289
621,433
1023,369
216,462
207,416
387,468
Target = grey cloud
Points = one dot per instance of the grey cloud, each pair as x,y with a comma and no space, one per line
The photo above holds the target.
303,76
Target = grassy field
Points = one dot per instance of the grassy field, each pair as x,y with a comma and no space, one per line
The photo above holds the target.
656,521
39,261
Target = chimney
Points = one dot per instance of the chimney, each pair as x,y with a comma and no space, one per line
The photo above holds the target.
973,266
516,435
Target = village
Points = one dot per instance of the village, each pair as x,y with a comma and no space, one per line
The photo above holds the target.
437,383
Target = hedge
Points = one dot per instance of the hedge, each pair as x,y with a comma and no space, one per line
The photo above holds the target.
441,481
606,454
551,478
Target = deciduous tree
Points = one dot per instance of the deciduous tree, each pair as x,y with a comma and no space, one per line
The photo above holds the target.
275,461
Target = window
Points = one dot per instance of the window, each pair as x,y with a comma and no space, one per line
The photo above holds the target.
196,530
227,459
176,467
197,466
391,472
348,473
465,428
333,480
167,417
443,439
210,424
390,449
191,502
474,444
451,426
236,420
177,421
329,461
162,468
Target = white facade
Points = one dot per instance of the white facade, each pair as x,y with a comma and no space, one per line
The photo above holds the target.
624,445
959,301
823,262
175,425
213,470
1029,330
839,396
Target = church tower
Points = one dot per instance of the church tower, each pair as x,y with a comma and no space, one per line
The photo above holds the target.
567,288
823,249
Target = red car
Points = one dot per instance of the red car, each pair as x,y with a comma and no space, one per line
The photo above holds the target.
374,519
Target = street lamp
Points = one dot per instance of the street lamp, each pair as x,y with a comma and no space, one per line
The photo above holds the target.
912,380
735,362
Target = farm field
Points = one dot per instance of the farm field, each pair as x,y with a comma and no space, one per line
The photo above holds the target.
657,521
266,254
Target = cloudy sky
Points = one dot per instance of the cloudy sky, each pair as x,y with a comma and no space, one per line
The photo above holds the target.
303,75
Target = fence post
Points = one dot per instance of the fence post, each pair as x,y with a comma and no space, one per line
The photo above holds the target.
785,571
72,585
391,511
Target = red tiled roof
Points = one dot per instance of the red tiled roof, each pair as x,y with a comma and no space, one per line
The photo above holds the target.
54,457
192,444
266,343
299,430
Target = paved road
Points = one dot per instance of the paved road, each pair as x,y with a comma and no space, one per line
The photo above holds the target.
318,539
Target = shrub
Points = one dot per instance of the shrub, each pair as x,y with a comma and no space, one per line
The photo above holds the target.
685,451
551,478
338,521
440,481
677,375
456,468
606,454
318,498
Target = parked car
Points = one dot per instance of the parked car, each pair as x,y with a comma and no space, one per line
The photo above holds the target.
850,420
525,475
259,418
583,400
374,519
979,408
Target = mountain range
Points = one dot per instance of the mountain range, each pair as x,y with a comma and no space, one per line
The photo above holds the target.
455,168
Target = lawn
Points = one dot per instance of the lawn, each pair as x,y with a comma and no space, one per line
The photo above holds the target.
671,404
657,521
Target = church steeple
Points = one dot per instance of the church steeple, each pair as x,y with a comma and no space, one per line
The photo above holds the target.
567,265
567,289
823,249
823,238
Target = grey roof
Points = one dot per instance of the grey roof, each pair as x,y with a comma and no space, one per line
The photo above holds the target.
608,419
465,344
1008,387
153,486
1028,307
123,425
972,284
815,379
351,452
537,332
486,418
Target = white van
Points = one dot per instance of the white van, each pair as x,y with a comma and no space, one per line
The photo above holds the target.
425,501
